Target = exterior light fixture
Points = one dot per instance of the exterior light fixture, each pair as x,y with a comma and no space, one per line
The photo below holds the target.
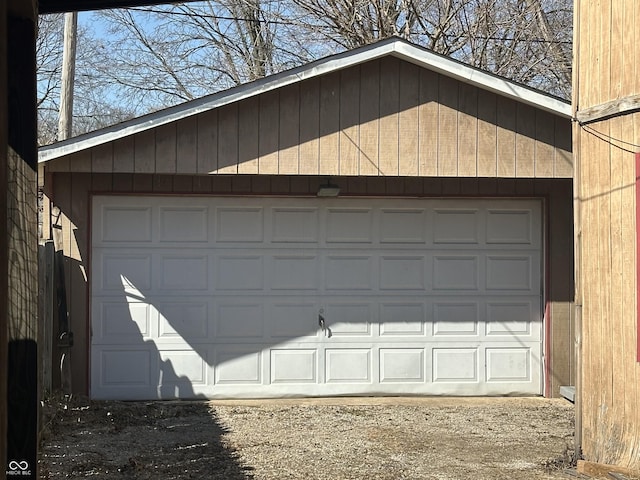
328,189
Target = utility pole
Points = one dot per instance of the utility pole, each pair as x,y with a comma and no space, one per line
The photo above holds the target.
68,75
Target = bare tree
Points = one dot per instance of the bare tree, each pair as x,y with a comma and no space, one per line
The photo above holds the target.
526,41
93,103
163,55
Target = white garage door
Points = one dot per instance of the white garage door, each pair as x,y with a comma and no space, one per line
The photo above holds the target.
265,297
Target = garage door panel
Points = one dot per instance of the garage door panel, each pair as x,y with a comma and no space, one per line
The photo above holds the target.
293,225
402,272
240,272
239,319
183,320
512,319
181,369
509,364
183,224
293,319
234,365
121,322
294,272
453,318
349,225
512,272
403,226
294,365
124,272
125,224
348,318
402,365
183,272
240,224
456,272
349,272
222,297
402,319
513,226
348,365
455,365
132,367
456,226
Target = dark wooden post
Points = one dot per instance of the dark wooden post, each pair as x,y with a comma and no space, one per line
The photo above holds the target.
18,241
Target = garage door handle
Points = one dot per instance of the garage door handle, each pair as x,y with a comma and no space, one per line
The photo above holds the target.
321,321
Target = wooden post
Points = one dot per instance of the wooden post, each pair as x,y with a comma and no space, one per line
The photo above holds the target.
4,109
65,119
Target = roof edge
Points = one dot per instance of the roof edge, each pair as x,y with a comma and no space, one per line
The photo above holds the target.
394,46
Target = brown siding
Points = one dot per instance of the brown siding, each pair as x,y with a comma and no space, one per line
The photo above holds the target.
72,196
386,117
605,69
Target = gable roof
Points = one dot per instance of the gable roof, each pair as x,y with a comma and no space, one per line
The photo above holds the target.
394,46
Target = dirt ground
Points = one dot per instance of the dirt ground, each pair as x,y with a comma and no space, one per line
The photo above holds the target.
348,438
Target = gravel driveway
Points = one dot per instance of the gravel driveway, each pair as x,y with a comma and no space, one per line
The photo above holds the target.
345,438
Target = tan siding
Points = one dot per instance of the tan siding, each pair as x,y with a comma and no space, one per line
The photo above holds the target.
468,131
207,142
447,127
389,101
506,145
369,118
428,123
187,145
248,131
268,133
385,117
166,154
80,161
289,130
309,126
144,152
228,139
544,151
525,141
349,119
329,114
102,158
408,121
487,134
123,150
563,161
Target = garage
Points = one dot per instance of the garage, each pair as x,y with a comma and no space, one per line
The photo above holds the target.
240,297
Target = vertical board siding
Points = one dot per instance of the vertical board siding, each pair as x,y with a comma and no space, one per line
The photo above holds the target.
187,145
468,131
349,122
166,154
606,59
408,125
487,134
207,142
248,132
228,139
289,132
269,114
369,115
123,154
389,103
328,134
386,117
